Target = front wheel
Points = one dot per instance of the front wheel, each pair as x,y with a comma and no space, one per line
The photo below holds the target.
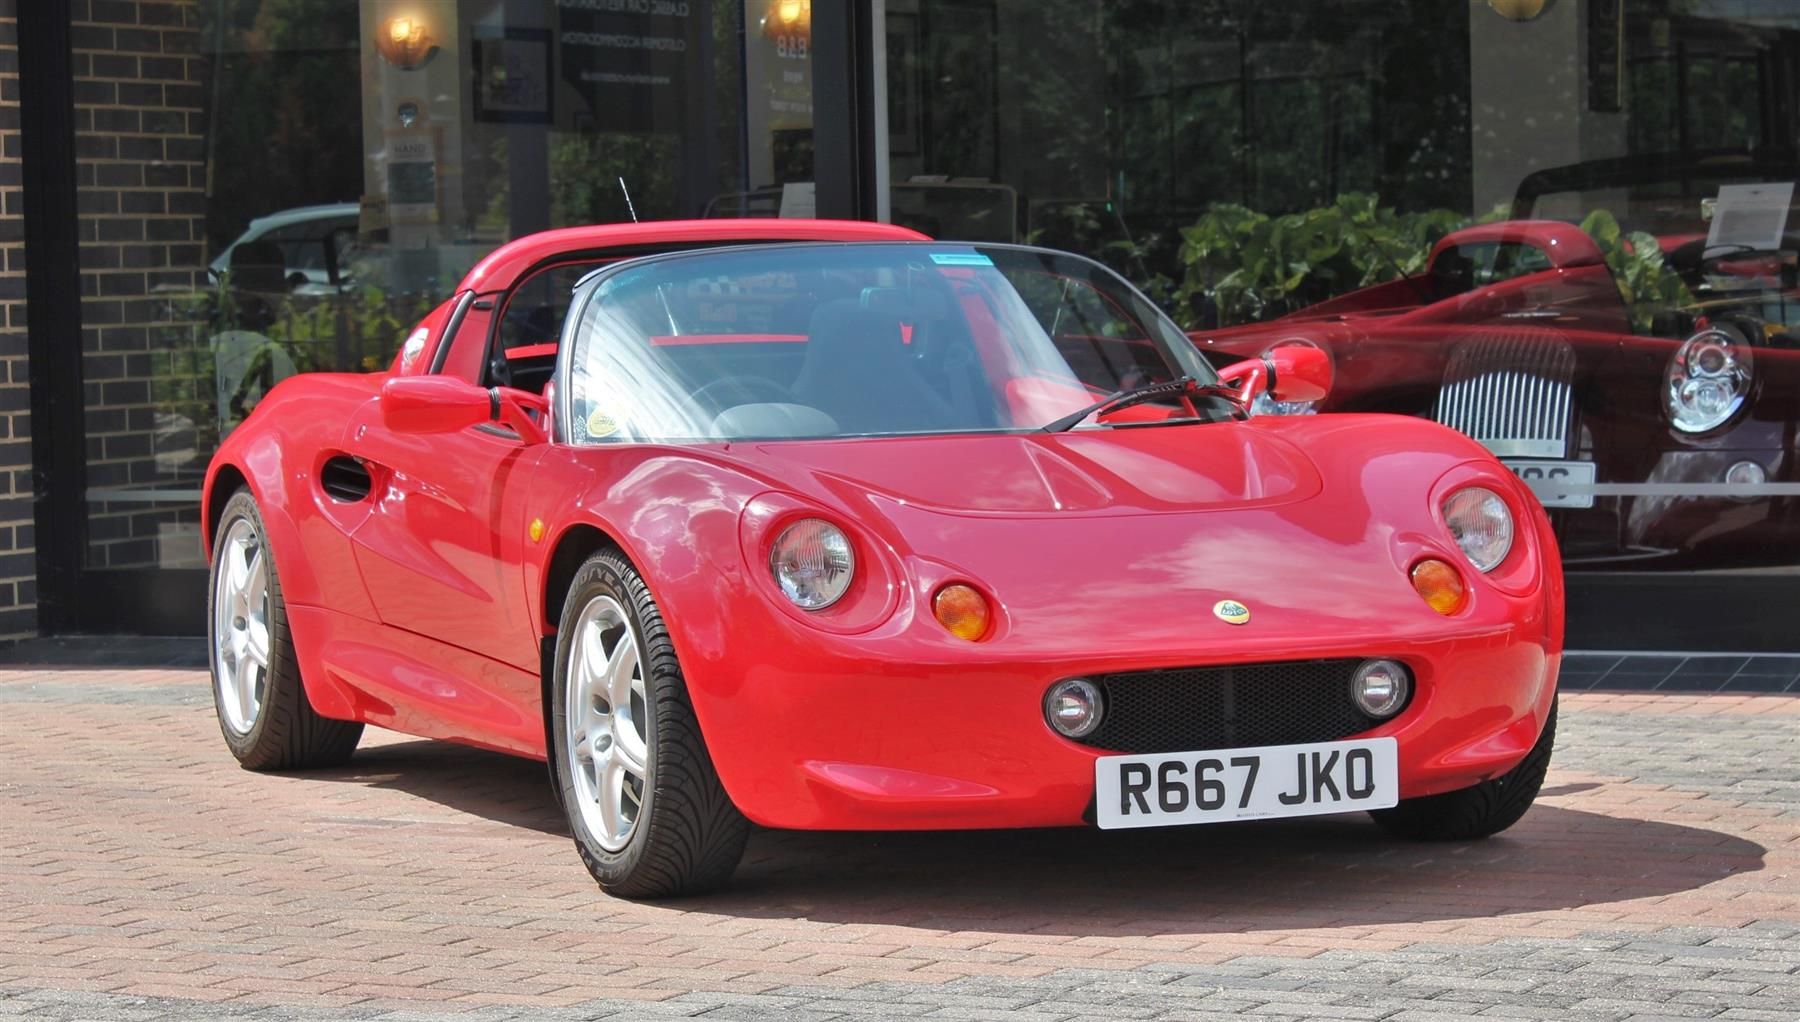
649,816
1481,811
264,714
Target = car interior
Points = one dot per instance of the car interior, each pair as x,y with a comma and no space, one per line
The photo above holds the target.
827,352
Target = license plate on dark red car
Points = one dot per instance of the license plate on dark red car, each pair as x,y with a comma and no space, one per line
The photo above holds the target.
1557,483
1259,783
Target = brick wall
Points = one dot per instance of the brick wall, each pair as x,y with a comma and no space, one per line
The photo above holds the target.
18,557
141,173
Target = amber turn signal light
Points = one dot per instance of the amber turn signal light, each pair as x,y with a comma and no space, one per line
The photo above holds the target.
963,610
1439,584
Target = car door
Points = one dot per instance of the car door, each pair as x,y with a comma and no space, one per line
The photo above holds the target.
440,549
441,552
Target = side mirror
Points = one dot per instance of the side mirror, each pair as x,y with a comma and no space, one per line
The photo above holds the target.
434,404
1302,372
442,404
1287,372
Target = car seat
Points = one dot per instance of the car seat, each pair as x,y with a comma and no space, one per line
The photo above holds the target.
858,372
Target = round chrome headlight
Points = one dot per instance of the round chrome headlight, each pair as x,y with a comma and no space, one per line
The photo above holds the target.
812,563
1707,381
1481,524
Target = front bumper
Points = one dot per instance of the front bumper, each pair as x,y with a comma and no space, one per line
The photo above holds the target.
838,736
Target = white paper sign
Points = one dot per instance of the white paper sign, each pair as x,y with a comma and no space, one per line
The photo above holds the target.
797,200
1751,217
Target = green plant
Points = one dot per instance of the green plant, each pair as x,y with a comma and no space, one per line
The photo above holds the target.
1242,266
1246,265
1646,282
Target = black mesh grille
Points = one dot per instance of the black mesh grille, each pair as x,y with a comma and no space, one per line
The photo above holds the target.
1193,708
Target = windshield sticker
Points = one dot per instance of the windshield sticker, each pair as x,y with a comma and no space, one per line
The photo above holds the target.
600,424
961,259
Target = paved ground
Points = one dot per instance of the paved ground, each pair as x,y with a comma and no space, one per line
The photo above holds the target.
143,876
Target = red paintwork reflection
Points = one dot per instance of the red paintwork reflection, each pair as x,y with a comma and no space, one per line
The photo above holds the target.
1559,326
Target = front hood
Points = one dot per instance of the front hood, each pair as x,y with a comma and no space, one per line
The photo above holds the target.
1180,468
1120,542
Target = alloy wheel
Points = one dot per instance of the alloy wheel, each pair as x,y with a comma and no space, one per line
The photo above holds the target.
241,626
607,741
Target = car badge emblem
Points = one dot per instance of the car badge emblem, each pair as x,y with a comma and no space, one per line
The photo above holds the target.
1231,612
536,531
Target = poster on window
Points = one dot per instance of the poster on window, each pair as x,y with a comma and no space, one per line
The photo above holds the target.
631,61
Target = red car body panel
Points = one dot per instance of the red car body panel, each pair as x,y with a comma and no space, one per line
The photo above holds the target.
426,608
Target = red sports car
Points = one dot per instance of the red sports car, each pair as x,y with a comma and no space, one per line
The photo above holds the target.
826,525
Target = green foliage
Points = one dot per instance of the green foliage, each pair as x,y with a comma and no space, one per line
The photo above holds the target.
1248,266
359,331
1646,283
1243,266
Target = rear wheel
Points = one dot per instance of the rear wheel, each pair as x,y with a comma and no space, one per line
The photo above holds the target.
649,816
1481,811
267,721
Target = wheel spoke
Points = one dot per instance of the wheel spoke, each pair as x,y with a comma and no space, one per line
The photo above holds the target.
629,748
580,702
256,641
244,687
621,665
256,581
237,563
593,657
612,799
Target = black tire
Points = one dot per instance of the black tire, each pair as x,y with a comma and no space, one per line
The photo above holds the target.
688,836
287,733
1481,811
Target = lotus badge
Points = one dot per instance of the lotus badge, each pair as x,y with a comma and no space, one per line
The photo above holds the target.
1231,612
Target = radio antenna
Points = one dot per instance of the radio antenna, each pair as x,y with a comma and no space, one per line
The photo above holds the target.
629,207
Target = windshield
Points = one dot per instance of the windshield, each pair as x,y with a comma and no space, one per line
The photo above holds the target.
783,341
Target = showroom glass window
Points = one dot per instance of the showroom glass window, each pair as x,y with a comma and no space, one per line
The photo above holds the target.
1564,227
272,187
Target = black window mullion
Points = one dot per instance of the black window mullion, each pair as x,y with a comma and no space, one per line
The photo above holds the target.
53,304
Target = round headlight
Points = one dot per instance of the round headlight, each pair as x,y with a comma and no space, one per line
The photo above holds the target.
812,563
1481,524
1707,380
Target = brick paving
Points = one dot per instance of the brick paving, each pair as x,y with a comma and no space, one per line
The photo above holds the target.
144,876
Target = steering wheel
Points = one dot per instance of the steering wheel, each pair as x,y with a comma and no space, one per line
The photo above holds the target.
731,391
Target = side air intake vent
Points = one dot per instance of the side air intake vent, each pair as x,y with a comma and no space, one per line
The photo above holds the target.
345,479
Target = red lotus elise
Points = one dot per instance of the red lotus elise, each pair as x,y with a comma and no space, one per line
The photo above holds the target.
825,525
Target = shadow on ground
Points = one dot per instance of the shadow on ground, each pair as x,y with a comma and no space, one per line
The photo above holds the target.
1339,871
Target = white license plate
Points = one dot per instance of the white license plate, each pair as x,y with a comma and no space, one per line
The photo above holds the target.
1259,783
1552,481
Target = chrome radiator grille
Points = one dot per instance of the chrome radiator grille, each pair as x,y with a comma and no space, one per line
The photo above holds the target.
1511,391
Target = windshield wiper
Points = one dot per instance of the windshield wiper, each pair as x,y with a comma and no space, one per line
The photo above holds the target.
1181,386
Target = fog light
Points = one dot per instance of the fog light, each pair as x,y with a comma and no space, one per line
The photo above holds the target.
1746,473
1379,687
963,610
1073,707
1439,584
